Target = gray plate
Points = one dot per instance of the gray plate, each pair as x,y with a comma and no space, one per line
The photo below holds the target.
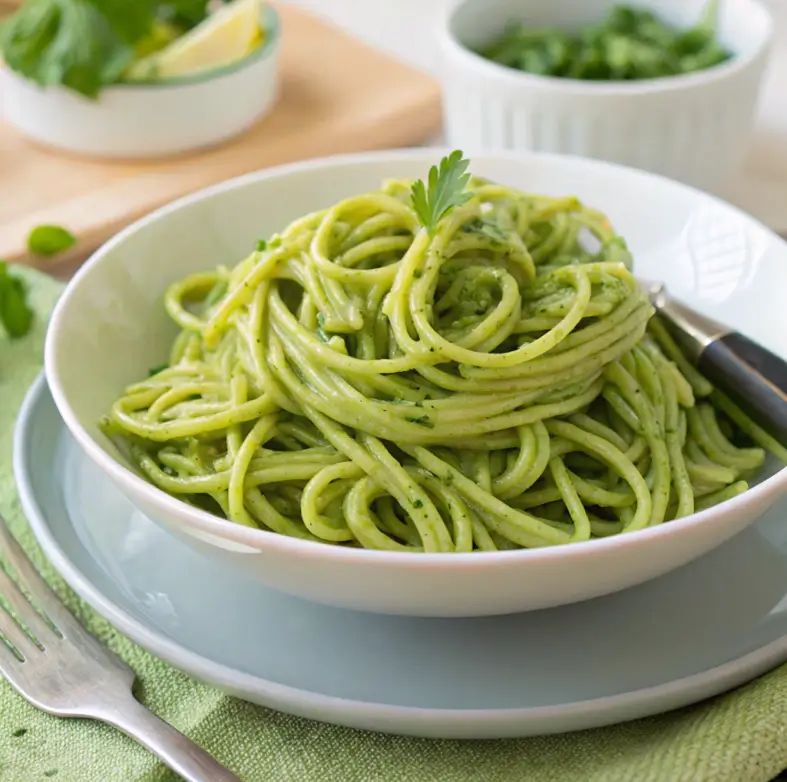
698,631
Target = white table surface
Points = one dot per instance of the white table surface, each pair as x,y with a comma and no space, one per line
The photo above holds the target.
405,28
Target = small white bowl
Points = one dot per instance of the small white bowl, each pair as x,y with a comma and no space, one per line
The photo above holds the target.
110,326
694,128
168,117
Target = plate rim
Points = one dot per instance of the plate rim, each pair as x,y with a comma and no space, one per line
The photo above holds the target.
365,715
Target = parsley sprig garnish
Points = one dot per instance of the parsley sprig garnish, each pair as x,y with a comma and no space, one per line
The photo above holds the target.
446,189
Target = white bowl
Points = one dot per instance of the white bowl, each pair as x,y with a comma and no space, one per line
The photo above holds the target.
168,117
694,128
110,326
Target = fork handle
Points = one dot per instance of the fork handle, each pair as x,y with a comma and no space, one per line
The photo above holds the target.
174,749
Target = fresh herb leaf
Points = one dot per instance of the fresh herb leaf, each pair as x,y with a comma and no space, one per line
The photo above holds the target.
445,190
16,315
261,245
709,19
155,370
187,13
50,240
418,504
422,421
321,335
485,227
85,45
71,43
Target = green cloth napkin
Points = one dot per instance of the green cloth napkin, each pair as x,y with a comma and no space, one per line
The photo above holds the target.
740,737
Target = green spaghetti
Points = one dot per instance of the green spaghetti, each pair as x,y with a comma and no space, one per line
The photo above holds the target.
443,366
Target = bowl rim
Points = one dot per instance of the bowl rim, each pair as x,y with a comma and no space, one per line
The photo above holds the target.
514,78
168,506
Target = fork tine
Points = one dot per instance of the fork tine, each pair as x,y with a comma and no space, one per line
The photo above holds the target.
16,635
7,660
37,587
23,609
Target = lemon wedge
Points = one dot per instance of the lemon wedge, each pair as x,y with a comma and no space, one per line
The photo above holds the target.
226,36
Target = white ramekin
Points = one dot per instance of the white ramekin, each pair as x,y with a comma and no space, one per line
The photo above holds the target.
693,128
149,120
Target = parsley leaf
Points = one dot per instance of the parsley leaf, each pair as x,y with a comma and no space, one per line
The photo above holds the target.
445,190
15,313
50,240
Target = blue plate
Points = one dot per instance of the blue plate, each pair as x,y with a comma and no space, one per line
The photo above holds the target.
694,633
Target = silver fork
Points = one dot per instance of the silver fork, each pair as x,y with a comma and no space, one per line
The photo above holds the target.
67,672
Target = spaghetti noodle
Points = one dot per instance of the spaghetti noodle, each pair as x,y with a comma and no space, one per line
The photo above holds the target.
498,382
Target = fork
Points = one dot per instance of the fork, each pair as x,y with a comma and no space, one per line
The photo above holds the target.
749,373
61,669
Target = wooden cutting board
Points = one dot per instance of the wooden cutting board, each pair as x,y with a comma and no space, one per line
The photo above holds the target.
337,95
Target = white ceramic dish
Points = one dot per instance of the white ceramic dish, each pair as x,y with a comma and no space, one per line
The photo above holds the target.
110,326
659,646
169,117
693,128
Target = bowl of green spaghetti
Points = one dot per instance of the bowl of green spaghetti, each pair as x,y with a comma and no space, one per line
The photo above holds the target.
408,382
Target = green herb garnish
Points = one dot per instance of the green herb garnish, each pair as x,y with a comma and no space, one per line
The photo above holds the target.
85,45
261,245
16,315
50,240
321,335
630,44
486,228
422,421
155,370
185,13
445,190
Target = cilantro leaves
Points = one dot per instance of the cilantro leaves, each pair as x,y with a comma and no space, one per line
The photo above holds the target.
445,190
